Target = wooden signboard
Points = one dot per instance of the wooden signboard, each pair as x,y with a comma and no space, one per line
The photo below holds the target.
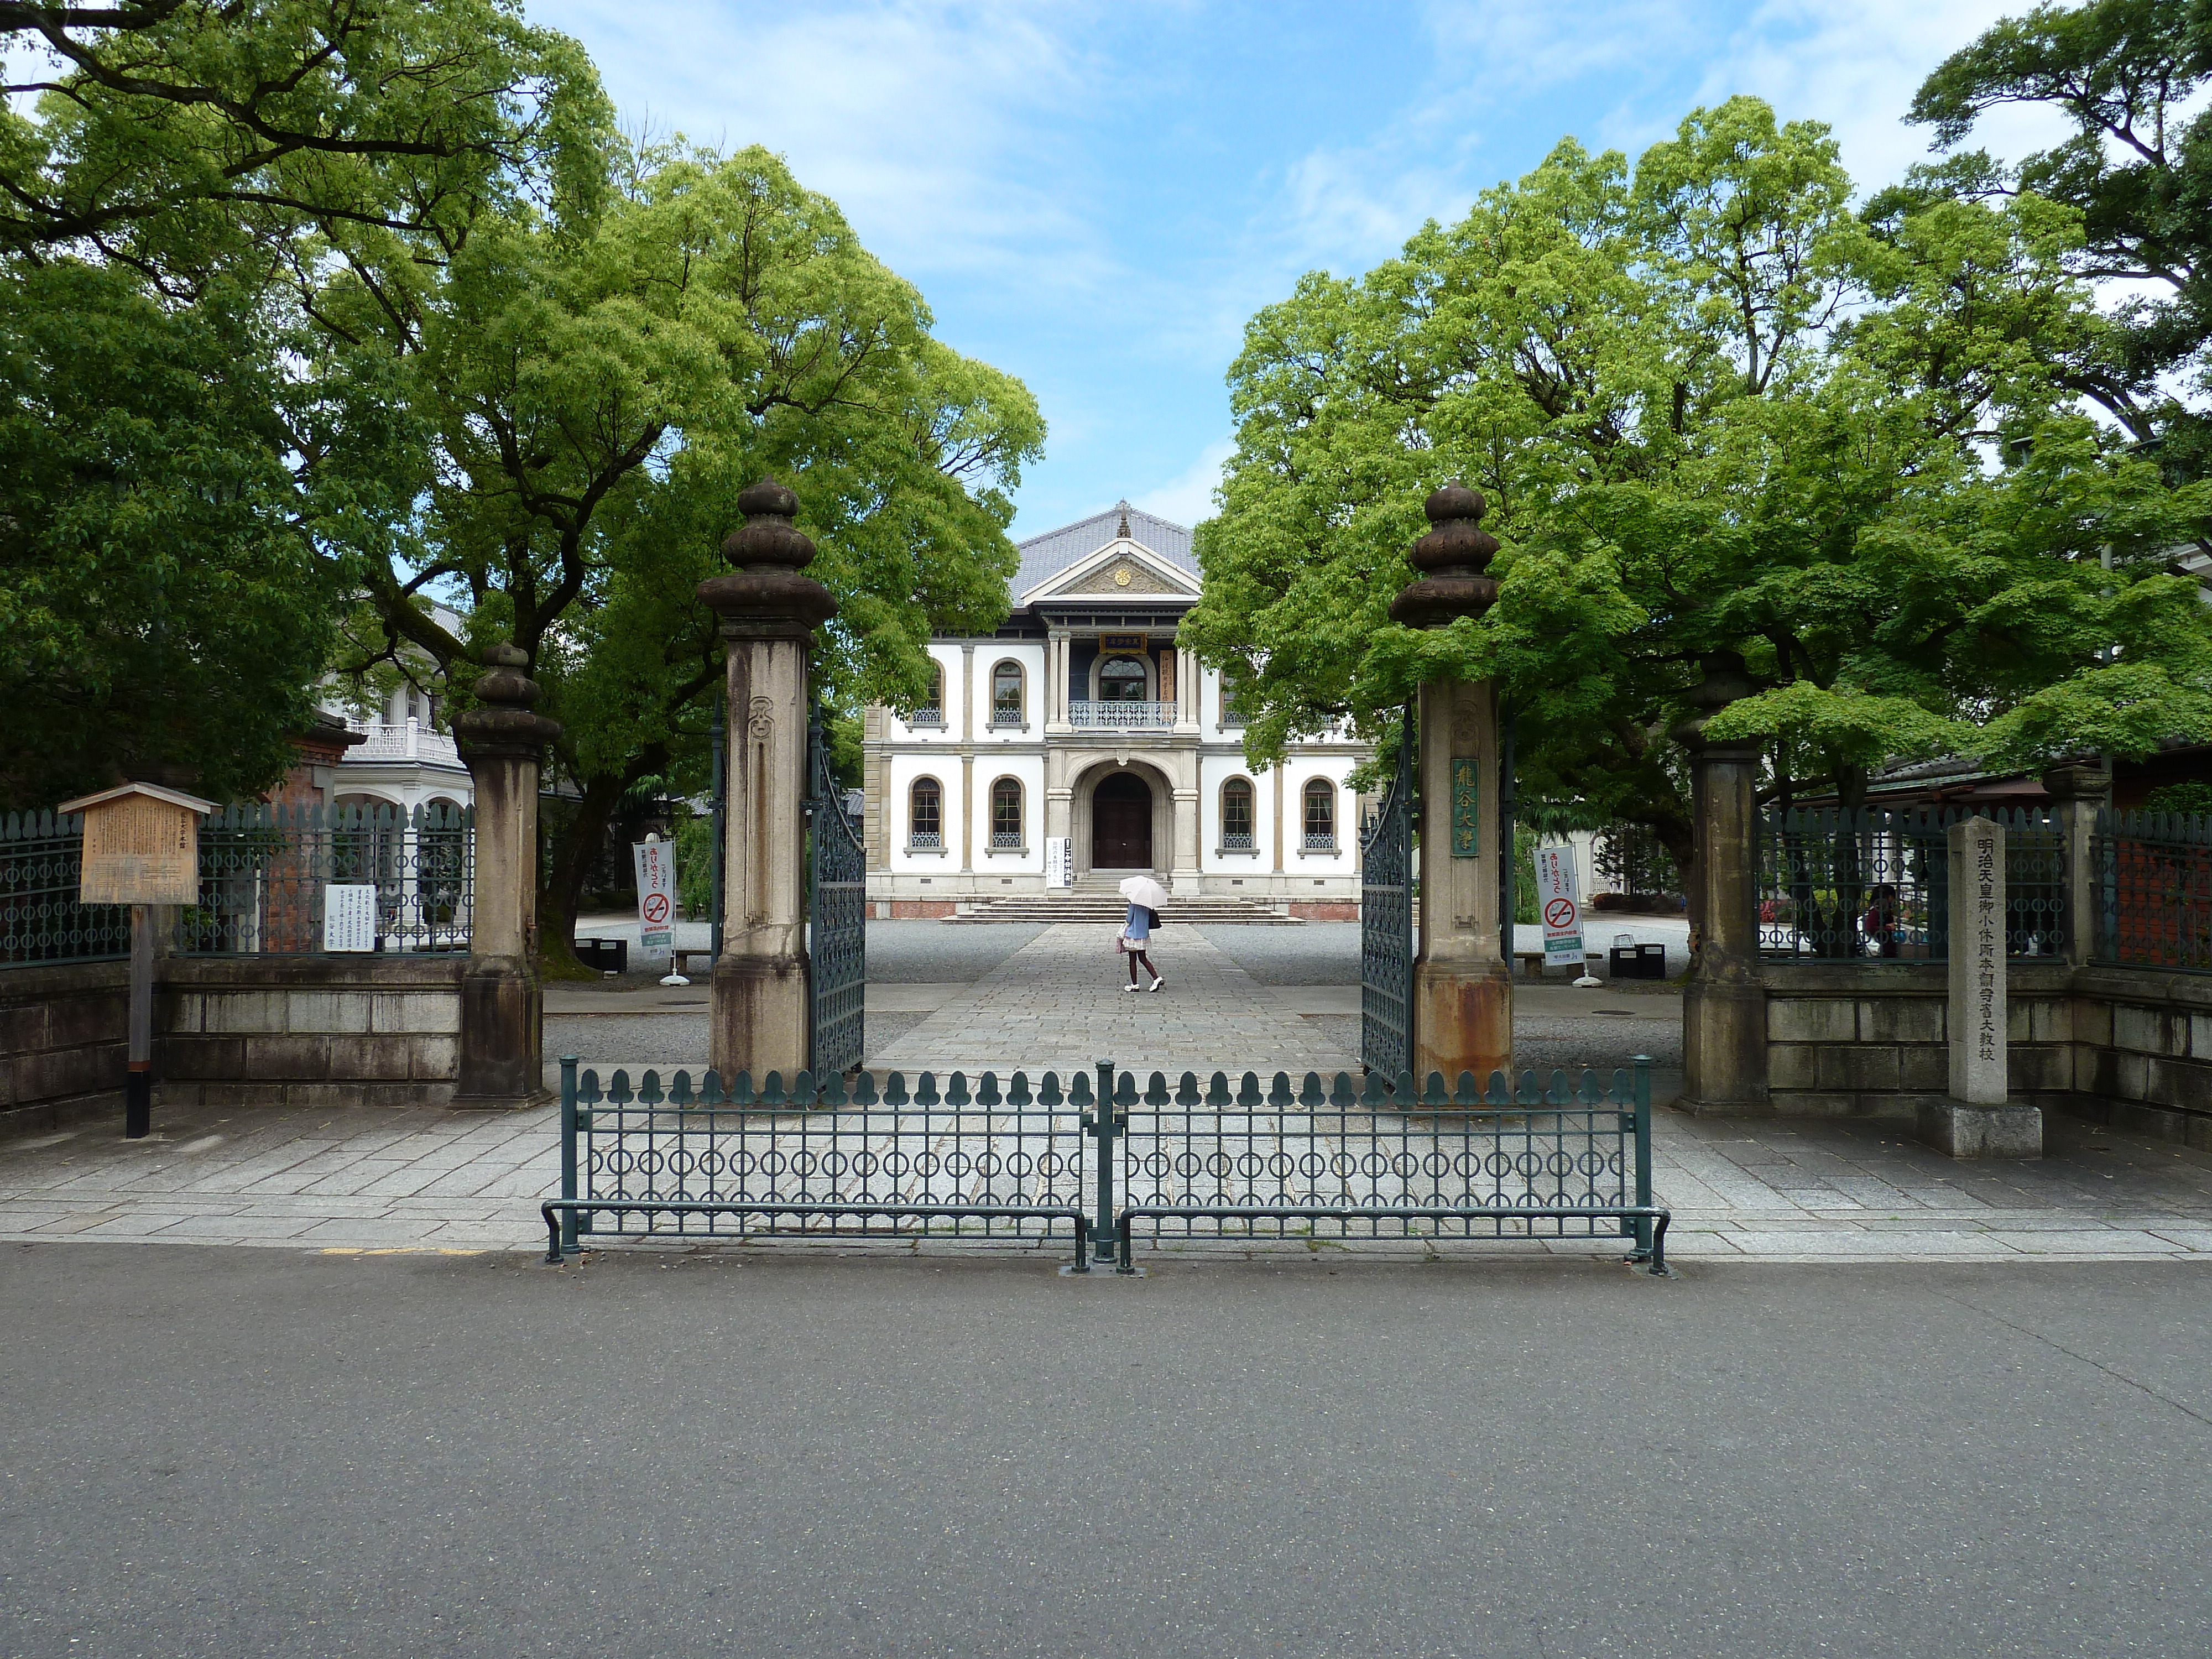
142,846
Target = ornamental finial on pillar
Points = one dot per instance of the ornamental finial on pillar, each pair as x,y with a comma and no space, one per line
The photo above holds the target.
1726,680
502,721
1452,556
765,595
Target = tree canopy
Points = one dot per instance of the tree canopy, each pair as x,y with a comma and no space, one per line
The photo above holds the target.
1713,409
2127,75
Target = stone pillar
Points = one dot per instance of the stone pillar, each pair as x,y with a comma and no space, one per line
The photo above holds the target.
769,612
501,743
1977,1120
1462,987
2080,792
1055,679
1188,876
1724,1009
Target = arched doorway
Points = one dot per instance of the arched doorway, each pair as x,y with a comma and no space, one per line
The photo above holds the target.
1122,824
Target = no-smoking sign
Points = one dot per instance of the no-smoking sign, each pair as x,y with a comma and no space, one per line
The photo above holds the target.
1560,912
1558,903
656,895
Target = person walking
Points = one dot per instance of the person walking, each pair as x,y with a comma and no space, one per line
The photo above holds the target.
1136,934
1146,896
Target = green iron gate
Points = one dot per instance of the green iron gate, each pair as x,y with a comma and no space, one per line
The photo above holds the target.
837,943
1386,923
1098,1164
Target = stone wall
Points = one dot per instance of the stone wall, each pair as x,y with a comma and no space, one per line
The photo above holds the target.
2129,1046
2143,1052
309,1031
246,1030
64,1033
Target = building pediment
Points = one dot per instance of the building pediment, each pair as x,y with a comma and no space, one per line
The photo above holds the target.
1123,568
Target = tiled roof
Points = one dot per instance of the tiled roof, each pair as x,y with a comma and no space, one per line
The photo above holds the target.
1047,555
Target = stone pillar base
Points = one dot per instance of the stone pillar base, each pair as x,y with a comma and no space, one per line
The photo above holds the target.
1965,1131
759,1016
501,1065
1462,1020
1724,1049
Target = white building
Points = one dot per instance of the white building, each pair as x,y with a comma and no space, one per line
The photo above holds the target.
403,759
1081,720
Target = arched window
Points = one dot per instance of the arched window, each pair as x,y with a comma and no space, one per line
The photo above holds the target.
1006,812
1232,716
932,712
926,814
1006,694
1237,815
1122,679
1320,815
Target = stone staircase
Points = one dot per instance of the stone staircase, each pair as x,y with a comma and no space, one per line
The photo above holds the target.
1105,905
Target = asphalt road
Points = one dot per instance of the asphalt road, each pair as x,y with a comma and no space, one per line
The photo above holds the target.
255,1452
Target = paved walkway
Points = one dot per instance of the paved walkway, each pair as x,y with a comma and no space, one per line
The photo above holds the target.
434,1179
1058,1004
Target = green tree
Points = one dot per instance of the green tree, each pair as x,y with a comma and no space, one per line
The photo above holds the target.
196,452
597,395
2129,76
1714,411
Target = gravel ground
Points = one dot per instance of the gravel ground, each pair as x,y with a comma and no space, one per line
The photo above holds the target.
628,1039
1319,953
935,953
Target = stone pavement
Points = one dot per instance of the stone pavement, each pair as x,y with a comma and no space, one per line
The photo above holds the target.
1058,1004
427,1179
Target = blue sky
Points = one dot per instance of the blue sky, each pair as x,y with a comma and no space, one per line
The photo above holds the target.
1096,198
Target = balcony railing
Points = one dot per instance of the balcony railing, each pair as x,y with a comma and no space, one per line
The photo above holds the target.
1120,714
410,741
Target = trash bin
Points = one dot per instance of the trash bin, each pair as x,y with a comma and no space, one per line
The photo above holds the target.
1634,961
608,956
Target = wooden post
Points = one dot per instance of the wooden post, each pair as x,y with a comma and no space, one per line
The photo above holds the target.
141,848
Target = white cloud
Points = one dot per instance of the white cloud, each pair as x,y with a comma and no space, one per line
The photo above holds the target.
1188,497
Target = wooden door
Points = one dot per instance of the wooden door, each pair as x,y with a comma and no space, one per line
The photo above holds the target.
1122,824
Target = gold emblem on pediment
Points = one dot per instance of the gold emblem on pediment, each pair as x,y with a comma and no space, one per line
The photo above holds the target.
1122,576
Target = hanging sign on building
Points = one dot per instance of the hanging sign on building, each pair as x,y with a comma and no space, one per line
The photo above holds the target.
349,916
656,895
1059,861
1122,642
142,846
1561,906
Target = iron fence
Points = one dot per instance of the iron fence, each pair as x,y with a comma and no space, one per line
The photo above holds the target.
1099,1164
264,870
2152,876
1839,884
41,854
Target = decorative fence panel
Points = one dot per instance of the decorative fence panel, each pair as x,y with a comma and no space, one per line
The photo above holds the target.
2152,876
263,870
40,920
1386,921
1097,1165
1874,884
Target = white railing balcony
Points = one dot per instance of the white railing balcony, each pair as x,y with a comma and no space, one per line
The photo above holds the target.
409,741
1120,714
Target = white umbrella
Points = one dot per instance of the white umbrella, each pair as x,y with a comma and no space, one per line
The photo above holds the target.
1143,890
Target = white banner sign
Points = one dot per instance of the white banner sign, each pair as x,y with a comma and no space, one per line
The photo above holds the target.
349,918
1560,905
656,895
1059,861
